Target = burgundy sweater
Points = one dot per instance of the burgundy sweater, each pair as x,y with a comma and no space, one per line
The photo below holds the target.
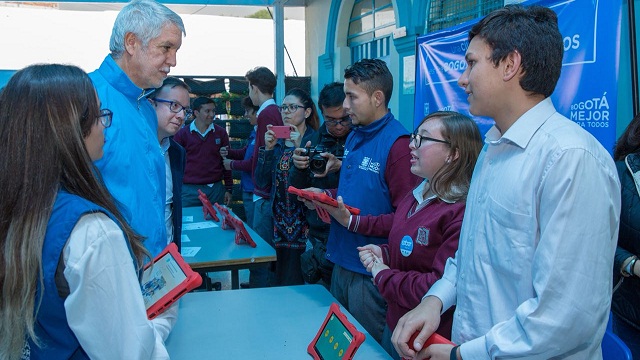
204,163
268,116
434,231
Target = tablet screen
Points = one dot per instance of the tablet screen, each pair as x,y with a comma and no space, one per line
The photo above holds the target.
159,279
334,340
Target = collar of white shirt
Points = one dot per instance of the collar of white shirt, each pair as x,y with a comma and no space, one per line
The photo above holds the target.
193,127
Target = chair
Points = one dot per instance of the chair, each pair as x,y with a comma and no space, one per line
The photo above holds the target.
613,348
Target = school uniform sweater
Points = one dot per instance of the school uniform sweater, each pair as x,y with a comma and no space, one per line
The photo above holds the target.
420,242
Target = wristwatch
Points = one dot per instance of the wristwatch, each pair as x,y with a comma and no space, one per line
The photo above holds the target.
628,270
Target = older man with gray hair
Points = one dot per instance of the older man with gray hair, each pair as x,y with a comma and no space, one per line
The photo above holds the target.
145,39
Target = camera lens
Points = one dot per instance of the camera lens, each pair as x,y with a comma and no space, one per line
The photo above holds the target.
318,164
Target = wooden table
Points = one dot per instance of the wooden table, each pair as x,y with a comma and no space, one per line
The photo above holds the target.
265,323
218,250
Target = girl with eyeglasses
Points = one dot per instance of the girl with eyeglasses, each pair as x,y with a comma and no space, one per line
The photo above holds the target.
423,232
70,264
290,226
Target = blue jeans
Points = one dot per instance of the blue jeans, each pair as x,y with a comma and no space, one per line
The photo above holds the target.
247,202
629,335
263,225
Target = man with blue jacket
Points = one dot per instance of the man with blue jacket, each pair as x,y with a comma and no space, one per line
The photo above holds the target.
146,36
375,175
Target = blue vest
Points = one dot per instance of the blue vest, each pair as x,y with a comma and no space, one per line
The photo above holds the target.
362,185
52,329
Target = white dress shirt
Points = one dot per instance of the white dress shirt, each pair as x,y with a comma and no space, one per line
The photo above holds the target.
533,272
105,309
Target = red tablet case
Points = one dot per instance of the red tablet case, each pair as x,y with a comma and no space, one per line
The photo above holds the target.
435,338
207,209
323,198
357,337
229,221
192,280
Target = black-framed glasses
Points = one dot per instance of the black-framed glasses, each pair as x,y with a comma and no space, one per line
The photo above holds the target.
417,139
291,108
344,121
175,107
105,117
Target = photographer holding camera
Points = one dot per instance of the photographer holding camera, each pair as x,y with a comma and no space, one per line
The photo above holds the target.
318,165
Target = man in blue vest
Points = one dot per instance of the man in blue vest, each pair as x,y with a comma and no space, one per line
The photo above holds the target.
375,175
146,36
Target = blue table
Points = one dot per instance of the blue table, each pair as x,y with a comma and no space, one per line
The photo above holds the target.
218,250
266,323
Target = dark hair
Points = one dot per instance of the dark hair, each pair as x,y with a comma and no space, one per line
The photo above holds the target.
371,75
51,107
248,104
531,31
201,100
331,95
629,141
170,83
263,78
312,121
451,182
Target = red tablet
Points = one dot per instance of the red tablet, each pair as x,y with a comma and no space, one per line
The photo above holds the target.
229,221
207,209
166,281
435,338
323,198
337,339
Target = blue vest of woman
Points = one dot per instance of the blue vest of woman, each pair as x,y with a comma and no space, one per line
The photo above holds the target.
362,185
52,329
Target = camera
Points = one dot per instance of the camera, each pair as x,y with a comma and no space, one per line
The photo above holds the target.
317,163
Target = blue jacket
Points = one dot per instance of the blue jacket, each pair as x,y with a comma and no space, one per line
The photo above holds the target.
627,297
362,185
177,159
58,341
132,165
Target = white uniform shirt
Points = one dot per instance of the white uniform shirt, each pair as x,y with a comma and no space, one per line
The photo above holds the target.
104,308
533,272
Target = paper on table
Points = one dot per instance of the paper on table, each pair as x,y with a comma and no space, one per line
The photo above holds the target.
189,251
185,238
199,225
187,219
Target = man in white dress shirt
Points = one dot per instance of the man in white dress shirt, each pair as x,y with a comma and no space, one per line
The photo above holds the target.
533,272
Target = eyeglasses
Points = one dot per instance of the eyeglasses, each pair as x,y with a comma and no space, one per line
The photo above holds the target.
417,139
291,108
344,121
175,107
105,117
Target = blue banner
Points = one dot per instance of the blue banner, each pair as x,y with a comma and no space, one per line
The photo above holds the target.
586,91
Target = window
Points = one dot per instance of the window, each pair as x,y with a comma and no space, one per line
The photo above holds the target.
446,13
370,28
